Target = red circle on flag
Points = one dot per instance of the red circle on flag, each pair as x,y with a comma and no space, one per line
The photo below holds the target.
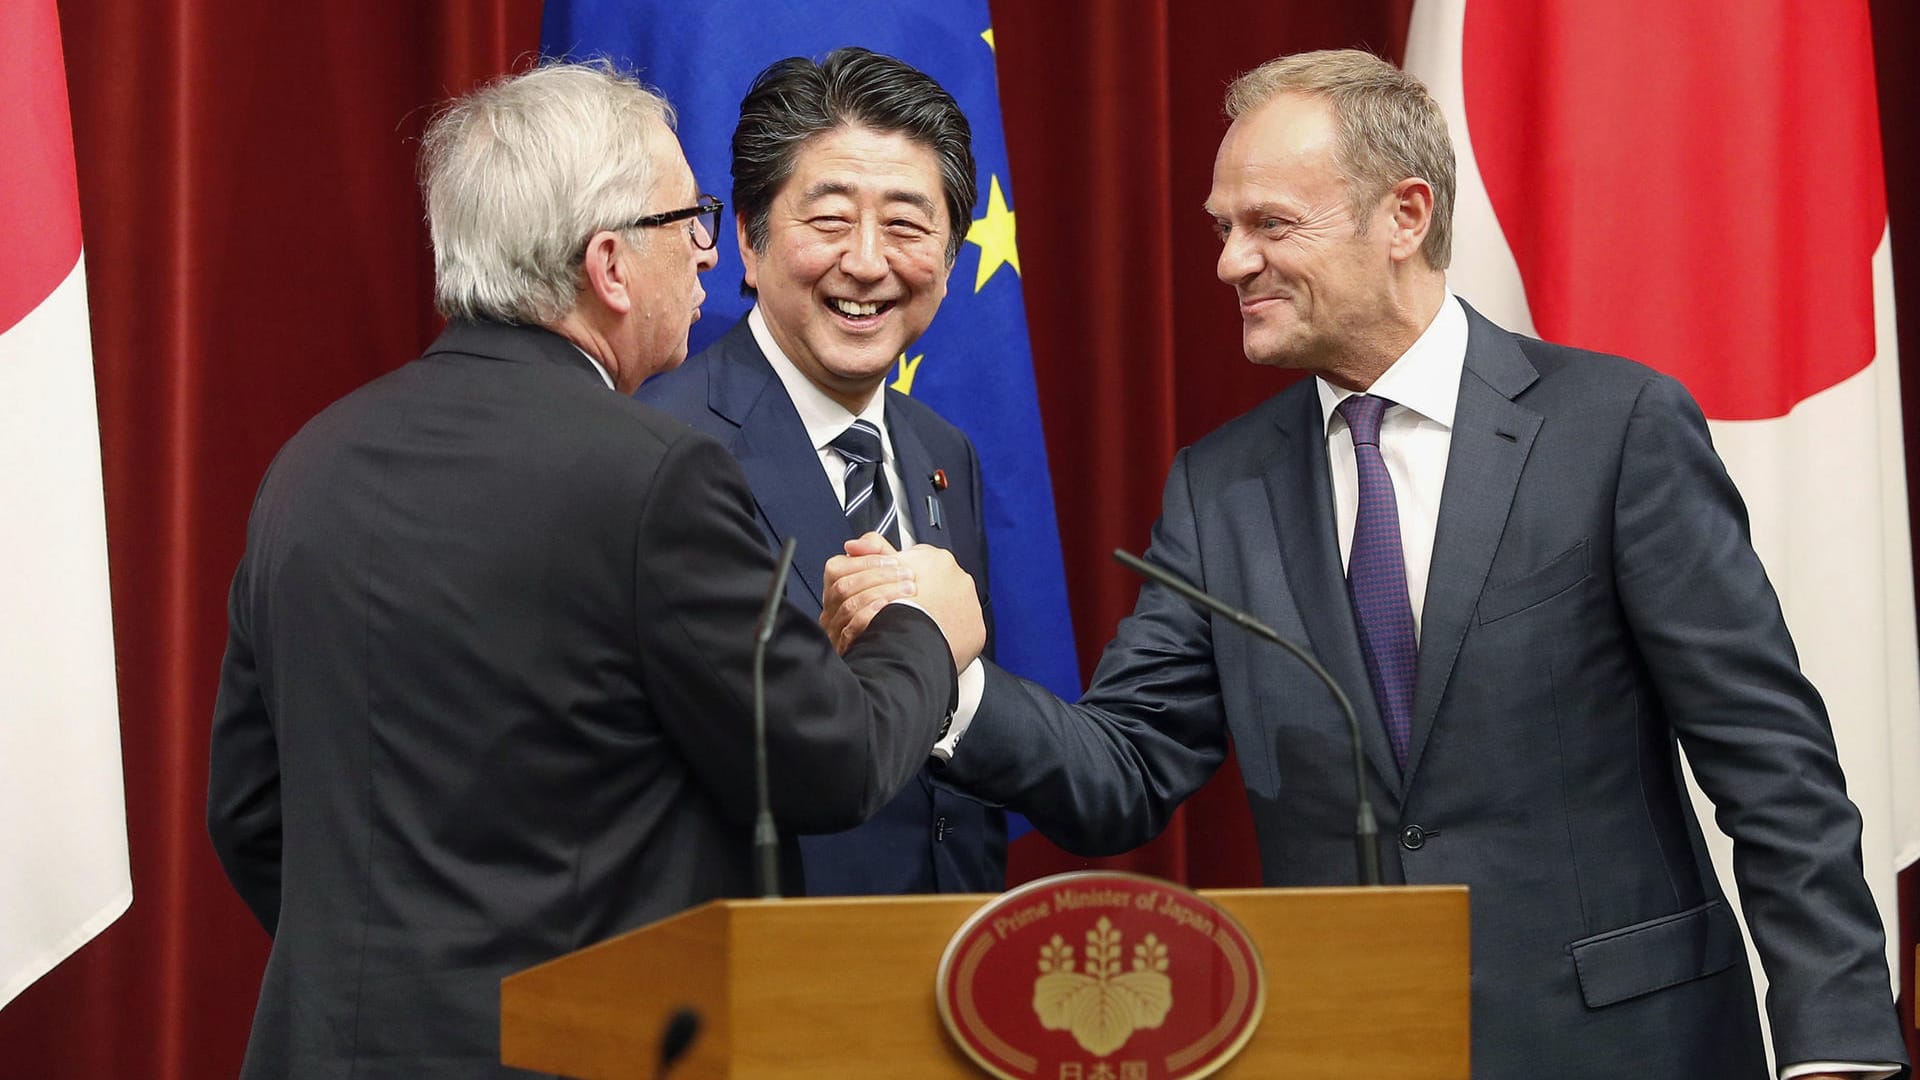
39,201
1696,186
1101,976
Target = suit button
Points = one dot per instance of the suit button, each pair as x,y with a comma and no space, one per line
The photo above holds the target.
1413,837
939,829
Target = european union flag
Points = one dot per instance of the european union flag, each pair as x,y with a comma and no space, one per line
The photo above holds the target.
973,365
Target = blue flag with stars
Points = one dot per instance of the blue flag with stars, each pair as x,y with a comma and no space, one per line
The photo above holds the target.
973,365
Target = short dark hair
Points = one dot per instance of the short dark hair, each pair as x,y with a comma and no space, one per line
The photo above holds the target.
795,99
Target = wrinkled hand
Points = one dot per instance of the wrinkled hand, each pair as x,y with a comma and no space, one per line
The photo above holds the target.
872,575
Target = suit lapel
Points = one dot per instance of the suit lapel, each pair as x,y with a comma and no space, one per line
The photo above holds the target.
781,464
1491,439
1302,504
915,465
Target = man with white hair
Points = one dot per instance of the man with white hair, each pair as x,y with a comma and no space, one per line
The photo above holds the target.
486,692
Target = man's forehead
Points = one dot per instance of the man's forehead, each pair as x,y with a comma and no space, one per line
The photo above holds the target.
1287,128
856,153
670,162
1279,152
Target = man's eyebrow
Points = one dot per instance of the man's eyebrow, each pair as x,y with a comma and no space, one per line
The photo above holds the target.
824,188
1259,209
915,199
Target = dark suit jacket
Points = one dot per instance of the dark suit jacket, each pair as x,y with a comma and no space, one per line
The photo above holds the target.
929,839
486,699
1594,601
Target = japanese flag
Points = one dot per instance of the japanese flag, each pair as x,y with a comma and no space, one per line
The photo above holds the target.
63,828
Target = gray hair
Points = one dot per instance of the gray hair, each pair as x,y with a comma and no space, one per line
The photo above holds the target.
520,173
795,99
1390,128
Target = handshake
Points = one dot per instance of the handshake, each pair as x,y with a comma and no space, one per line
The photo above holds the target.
872,575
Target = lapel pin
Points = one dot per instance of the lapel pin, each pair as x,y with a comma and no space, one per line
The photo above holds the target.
939,479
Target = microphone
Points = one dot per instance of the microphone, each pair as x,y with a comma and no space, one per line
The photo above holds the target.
766,842
675,1039
1365,831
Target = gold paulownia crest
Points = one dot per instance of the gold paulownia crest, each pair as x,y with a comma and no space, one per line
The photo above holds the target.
1102,1006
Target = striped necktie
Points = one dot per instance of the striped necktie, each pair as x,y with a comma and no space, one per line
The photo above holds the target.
869,502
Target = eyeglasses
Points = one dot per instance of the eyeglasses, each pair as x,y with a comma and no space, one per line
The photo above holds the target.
704,229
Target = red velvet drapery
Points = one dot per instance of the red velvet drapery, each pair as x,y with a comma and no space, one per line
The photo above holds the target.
255,250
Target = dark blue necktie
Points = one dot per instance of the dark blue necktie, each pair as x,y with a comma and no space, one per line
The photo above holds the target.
869,501
1377,577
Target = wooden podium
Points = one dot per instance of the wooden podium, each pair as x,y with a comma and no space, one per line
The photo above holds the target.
1362,982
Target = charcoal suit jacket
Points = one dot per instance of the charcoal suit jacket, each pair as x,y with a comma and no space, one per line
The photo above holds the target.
1594,603
929,838
486,700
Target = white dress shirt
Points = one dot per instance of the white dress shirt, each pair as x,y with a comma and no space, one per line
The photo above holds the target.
1416,436
604,377
825,418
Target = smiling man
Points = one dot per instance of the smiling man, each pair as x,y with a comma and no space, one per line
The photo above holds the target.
1533,576
853,183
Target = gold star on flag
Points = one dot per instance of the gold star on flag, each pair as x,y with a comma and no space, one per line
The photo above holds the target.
908,368
987,36
994,234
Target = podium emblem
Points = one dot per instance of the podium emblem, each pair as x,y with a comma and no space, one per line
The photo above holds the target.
1101,976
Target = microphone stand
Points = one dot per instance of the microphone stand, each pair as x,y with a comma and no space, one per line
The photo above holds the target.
766,841
1366,831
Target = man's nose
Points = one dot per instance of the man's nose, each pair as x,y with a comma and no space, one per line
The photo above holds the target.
1238,258
865,259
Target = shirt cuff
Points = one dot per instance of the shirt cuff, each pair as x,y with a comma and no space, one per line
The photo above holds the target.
973,684
1878,1070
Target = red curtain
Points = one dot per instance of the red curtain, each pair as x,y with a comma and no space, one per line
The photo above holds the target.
255,249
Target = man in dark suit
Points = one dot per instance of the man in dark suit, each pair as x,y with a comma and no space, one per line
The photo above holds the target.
1533,560
853,183
486,697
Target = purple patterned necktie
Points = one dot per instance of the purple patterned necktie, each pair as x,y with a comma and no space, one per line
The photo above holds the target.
1377,577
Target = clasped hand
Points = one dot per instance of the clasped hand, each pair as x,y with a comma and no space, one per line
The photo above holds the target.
872,575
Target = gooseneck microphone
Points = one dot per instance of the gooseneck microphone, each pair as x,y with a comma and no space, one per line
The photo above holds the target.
766,842
1365,830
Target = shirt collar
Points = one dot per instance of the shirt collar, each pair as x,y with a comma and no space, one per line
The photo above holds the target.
604,377
823,417
1426,378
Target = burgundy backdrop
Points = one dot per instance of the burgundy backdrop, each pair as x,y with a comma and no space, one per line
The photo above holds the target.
255,250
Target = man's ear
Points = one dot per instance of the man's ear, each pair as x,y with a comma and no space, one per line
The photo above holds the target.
609,275
749,258
1410,213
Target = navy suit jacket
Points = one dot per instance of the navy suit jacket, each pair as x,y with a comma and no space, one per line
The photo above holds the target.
930,838
1594,604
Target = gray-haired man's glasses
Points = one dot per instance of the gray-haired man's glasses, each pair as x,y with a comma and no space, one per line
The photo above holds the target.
704,226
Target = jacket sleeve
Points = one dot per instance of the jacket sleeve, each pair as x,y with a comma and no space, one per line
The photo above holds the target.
1710,629
1105,775
243,776
844,735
